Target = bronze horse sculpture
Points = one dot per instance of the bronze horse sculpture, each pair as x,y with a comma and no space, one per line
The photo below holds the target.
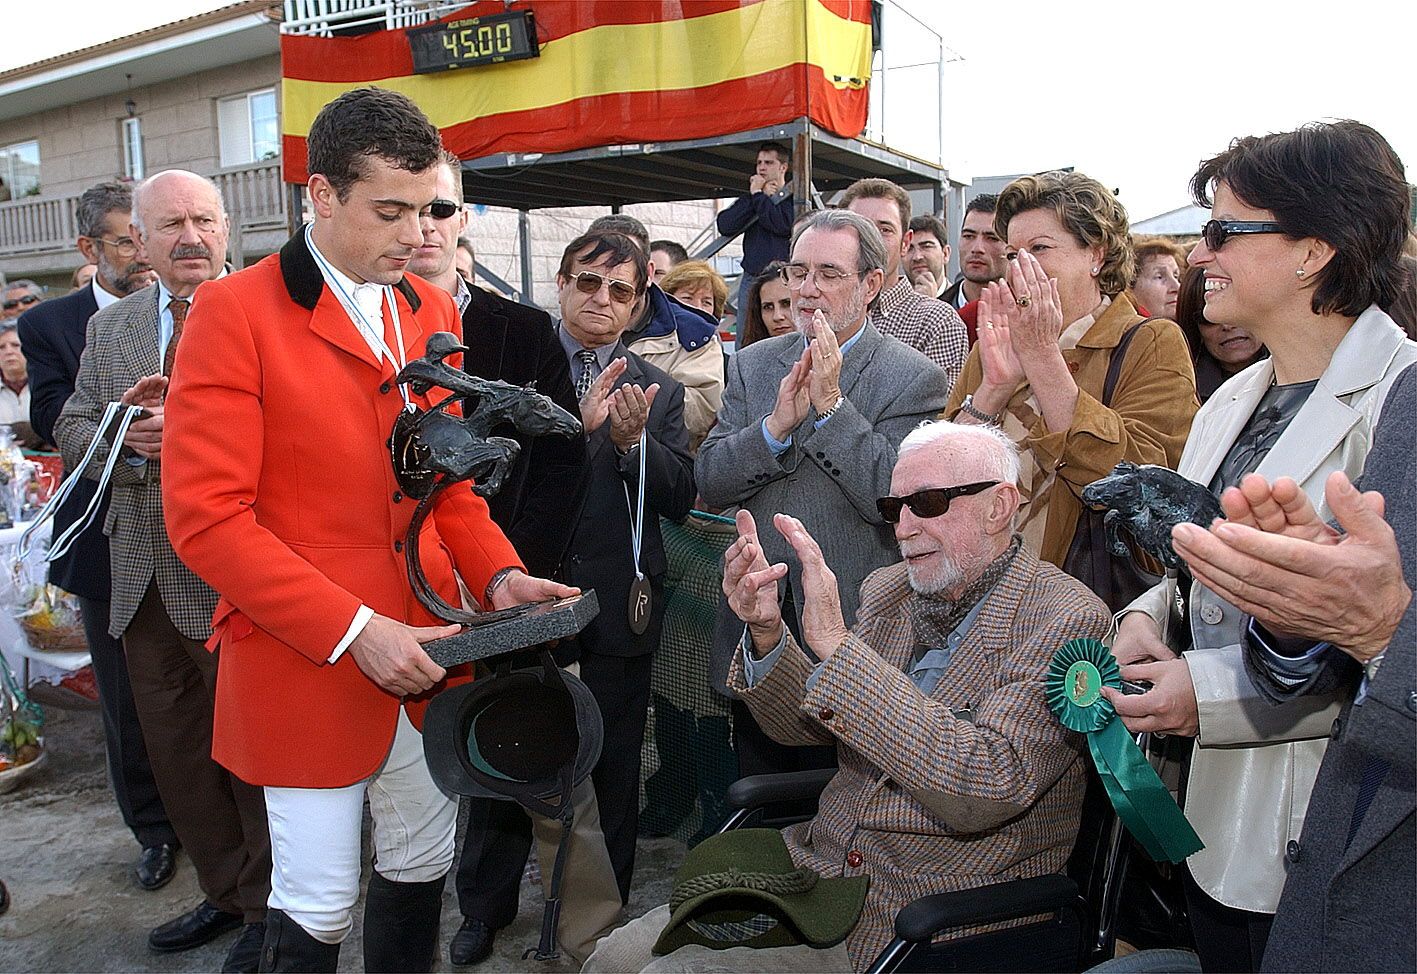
434,449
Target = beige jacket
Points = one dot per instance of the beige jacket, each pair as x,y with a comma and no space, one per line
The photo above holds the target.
700,372
1255,763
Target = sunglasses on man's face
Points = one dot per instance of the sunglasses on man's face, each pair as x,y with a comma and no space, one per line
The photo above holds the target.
443,209
23,302
1216,232
930,502
621,292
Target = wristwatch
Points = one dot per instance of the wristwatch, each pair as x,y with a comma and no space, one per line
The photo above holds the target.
968,407
495,582
822,417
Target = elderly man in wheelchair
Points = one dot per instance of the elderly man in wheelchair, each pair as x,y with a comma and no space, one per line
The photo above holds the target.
953,772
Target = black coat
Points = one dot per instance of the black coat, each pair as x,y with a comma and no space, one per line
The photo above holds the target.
1348,902
518,344
599,556
52,335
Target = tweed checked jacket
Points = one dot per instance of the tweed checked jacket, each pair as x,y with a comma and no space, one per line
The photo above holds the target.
928,325
120,349
975,783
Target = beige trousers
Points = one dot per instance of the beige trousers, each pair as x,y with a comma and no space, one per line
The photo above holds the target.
590,898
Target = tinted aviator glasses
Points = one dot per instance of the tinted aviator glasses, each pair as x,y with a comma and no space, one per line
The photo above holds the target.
621,292
24,301
930,502
1216,232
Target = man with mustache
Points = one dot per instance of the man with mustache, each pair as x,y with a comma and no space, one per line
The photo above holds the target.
160,610
809,426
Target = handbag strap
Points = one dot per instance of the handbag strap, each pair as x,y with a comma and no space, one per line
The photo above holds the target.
1114,364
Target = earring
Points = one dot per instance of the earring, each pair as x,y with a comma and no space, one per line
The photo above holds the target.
1095,270
1300,272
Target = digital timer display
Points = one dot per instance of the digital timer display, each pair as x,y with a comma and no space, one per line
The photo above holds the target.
467,43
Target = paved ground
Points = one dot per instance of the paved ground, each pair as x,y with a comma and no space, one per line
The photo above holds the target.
67,860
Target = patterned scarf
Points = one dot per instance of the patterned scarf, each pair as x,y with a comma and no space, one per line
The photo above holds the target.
934,617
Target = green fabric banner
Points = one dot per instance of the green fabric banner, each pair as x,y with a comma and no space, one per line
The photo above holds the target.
1079,671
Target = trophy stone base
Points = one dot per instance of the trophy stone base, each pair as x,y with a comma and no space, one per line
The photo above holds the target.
541,622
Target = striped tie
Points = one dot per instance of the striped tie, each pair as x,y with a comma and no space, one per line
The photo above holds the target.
178,307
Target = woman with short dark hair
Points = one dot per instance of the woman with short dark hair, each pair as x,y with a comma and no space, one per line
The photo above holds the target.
1302,252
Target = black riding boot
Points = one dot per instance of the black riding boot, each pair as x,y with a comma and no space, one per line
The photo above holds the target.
401,925
289,948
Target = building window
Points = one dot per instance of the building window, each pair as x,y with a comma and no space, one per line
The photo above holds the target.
249,128
19,170
133,148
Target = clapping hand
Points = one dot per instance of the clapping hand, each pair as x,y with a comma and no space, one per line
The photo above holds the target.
823,626
1001,367
824,380
1292,579
629,411
750,584
793,398
1036,320
595,406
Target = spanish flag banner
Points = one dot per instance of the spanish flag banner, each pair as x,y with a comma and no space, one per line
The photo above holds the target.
610,72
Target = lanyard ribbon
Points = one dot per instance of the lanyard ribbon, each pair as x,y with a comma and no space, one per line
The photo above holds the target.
637,512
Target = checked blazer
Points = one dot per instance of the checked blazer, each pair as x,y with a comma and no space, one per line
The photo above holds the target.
975,783
121,348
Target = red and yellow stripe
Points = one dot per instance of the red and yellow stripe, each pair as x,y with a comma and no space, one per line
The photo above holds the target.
611,72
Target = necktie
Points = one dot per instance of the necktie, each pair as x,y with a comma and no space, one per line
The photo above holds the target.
178,307
587,377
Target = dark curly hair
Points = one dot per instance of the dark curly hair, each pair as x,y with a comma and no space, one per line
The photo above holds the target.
1339,182
364,123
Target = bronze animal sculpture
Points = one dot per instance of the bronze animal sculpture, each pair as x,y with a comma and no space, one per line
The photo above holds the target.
1148,501
434,449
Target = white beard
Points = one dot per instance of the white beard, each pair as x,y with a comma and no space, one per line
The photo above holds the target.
944,575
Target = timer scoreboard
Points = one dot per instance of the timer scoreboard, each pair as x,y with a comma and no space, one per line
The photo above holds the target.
492,39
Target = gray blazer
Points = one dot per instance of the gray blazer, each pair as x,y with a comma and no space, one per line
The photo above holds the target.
120,349
829,478
1349,898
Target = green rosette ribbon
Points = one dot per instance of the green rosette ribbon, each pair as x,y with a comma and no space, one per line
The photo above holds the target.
1079,671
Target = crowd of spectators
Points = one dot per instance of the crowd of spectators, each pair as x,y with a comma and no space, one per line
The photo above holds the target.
903,456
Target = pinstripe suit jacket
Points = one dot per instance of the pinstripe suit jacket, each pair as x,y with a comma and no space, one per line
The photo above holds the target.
927,801
120,349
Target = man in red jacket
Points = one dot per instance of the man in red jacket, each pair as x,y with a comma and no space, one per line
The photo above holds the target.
280,493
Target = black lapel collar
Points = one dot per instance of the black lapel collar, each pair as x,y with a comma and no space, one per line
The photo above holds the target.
304,282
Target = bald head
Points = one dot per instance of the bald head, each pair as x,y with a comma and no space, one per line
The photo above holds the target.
181,225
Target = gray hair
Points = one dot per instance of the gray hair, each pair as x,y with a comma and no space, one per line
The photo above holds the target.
870,250
97,202
27,284
1002,452
141,190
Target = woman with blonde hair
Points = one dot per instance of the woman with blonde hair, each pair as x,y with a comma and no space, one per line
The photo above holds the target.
697,284
1072,372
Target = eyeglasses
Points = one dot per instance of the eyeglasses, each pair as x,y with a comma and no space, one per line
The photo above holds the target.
443,209
1216,232
125,246
621,292
930,502
795,275
21,302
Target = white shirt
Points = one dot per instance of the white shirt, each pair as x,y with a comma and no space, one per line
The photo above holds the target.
101,297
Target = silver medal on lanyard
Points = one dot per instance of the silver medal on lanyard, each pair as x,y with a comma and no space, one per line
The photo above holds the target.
640,600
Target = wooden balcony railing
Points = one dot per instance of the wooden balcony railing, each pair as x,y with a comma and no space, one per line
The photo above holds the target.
254,197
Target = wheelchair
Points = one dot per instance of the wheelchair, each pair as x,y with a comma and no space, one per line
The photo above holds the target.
1081,904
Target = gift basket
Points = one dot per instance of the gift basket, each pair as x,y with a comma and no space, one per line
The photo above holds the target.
21,731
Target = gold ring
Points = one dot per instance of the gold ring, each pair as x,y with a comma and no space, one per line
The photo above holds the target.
1022,300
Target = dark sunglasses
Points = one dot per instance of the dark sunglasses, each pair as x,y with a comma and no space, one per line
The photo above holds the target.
930,502
442,209
621,292
1216,232
23,302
